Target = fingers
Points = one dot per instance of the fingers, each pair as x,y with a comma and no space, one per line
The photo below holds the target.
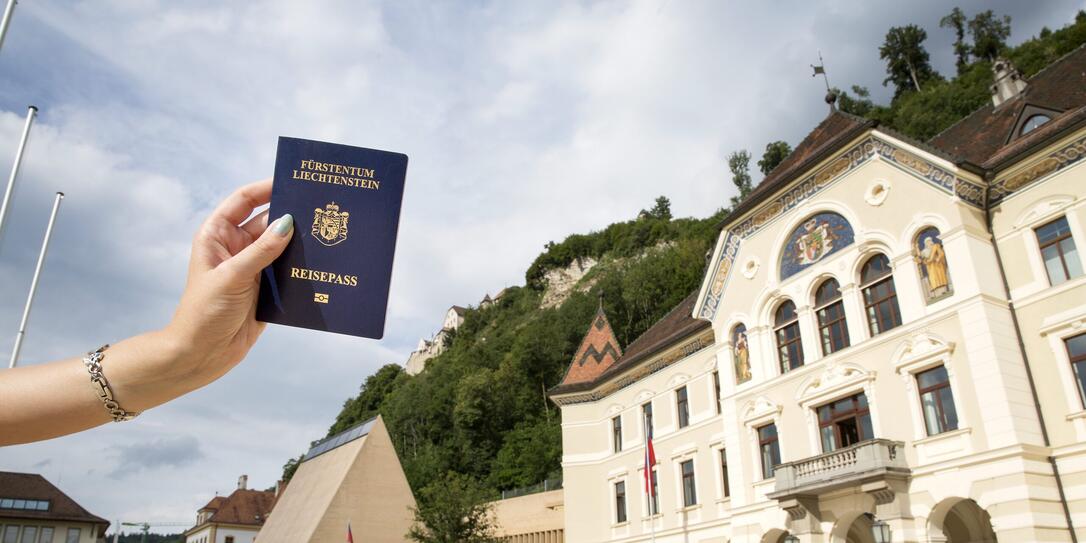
260,254
256,225
238,206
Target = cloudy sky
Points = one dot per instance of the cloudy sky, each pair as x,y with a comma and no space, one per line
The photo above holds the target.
525,122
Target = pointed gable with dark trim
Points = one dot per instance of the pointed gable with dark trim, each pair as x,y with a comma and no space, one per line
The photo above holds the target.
598,351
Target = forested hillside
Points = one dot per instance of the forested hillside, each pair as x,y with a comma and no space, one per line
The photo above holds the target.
480,409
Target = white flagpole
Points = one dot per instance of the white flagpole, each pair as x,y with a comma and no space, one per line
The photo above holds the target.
6,21
648,478
34,283
30,112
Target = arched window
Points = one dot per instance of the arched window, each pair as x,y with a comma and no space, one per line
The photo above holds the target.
880,297
832,329
1033,122
786,328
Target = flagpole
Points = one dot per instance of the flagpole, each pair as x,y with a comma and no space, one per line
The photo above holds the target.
34,282
31,111
648,484
6,21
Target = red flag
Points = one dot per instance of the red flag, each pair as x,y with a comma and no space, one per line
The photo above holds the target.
350,538
650,460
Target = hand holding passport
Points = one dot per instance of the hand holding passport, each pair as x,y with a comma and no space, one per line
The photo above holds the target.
334,275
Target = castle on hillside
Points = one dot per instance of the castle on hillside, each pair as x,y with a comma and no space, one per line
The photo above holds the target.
429,348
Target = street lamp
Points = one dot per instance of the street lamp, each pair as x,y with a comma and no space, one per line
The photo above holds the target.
880,530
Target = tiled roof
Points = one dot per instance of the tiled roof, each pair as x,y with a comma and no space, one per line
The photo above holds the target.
249,507
835,130
983,137
599,350
214,504
676,325
32,486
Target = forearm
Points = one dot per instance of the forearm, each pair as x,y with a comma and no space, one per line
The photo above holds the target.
140,371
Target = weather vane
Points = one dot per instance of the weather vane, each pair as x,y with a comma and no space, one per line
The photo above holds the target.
821,69
831,97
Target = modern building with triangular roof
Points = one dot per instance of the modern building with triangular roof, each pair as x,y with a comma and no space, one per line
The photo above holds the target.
352,477
894,347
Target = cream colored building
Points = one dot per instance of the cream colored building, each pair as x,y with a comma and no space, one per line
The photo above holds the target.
352,477
898,330
236,518
532,518
35,511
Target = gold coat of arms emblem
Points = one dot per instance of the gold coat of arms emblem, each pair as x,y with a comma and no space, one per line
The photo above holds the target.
330,224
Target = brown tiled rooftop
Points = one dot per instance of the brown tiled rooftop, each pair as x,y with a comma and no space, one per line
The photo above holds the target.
984,137
835,130
249,507
676,325
599,350
31,486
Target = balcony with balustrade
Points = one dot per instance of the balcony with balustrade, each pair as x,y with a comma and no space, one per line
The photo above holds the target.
875,466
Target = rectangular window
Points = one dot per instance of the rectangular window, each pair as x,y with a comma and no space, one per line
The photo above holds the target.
690,494
646,415
30,534
47,534
937,401
11,534
724,472
831,327
1076,351
616,433
1058,251
844,423
683,405
716,390
654,499
770,449
620,502
73,535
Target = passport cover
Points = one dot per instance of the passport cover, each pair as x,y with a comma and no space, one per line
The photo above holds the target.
334,274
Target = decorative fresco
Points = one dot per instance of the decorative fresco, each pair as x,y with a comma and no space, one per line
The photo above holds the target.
815,239
741,354
931,261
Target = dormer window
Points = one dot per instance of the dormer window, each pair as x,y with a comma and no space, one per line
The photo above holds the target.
1033,122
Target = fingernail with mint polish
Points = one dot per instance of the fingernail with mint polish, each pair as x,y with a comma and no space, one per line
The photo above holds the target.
283,225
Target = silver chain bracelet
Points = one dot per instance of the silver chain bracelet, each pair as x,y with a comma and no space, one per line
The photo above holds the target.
93,362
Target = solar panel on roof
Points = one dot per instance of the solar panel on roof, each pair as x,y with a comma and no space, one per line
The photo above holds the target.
342,438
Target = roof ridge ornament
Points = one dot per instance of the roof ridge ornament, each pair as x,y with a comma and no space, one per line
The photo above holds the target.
831,97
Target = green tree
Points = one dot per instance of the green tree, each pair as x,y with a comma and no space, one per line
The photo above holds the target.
775,153
662,209
956,20
453,509
290,467
990,34
367,404
860,105
907,64
739,164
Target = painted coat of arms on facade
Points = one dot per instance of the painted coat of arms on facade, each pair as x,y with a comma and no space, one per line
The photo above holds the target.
330,224
815,239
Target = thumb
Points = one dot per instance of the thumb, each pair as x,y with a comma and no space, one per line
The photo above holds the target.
260,254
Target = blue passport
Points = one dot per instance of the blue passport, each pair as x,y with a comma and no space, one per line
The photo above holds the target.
335,273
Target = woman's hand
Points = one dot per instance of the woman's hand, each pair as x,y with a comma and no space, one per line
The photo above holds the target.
215,324
211,332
